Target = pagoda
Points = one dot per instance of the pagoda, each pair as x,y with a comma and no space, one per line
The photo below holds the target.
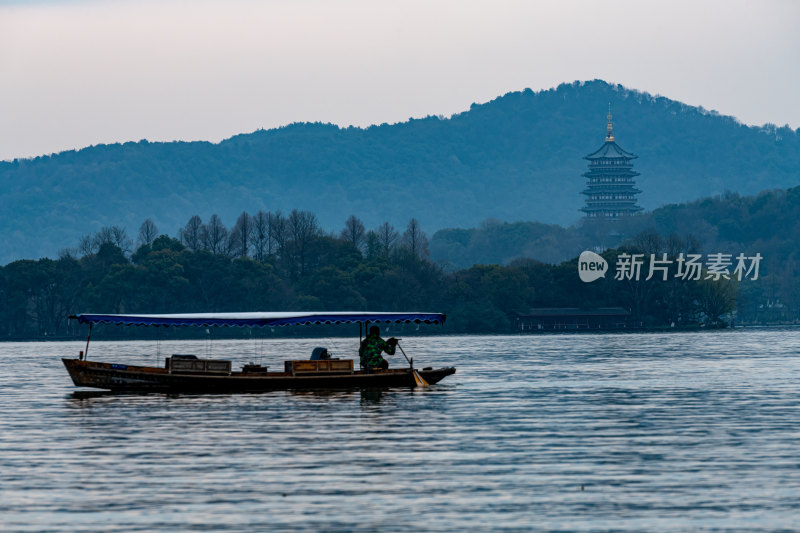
610,192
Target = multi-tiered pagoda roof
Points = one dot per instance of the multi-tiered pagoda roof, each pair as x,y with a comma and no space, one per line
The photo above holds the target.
610,191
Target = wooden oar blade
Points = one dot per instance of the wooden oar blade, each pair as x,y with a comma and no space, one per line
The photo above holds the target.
419,381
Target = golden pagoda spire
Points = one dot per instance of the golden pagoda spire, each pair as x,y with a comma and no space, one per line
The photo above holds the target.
609,126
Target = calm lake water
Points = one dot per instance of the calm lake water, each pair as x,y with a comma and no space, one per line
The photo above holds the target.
635,432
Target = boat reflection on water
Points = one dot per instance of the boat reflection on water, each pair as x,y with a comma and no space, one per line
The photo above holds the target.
84,398
371,396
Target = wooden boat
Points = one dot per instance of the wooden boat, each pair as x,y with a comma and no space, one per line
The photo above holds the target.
188,373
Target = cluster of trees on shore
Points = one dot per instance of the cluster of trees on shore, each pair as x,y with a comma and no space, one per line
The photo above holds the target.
767,224
272,262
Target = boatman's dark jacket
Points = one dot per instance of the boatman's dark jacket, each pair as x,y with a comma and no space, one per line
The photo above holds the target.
370,351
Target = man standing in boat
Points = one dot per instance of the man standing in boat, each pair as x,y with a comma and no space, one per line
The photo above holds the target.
373,346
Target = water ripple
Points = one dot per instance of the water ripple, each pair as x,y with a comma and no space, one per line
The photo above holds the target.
666,432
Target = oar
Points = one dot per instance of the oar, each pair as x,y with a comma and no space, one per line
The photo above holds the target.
419,381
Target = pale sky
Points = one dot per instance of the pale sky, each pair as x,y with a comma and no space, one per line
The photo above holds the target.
83,72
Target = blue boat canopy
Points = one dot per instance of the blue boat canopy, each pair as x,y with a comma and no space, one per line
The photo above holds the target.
261,319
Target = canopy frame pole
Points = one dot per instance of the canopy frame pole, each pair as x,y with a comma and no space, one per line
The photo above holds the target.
158,344
88,338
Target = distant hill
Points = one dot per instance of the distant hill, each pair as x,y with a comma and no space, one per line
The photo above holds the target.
518,157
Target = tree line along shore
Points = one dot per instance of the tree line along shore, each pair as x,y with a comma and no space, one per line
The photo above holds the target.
269,261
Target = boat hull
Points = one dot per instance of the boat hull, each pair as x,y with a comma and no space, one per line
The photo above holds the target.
119,377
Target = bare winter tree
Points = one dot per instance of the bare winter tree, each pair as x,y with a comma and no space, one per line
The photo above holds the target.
67,253
121,239
415,240
192,234
240,236
649,242
260,236
302,228
147,232
354,232
103,236
387,238
277,233
215,236
86,245
112,235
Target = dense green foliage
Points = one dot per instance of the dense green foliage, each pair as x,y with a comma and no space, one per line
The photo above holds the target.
768,224
518,157
273,262
495,242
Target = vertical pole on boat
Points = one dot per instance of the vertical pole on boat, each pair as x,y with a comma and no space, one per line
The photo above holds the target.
360,341
158,345
86,351
419,381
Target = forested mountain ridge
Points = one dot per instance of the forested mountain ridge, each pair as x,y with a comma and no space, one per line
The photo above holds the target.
518,157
